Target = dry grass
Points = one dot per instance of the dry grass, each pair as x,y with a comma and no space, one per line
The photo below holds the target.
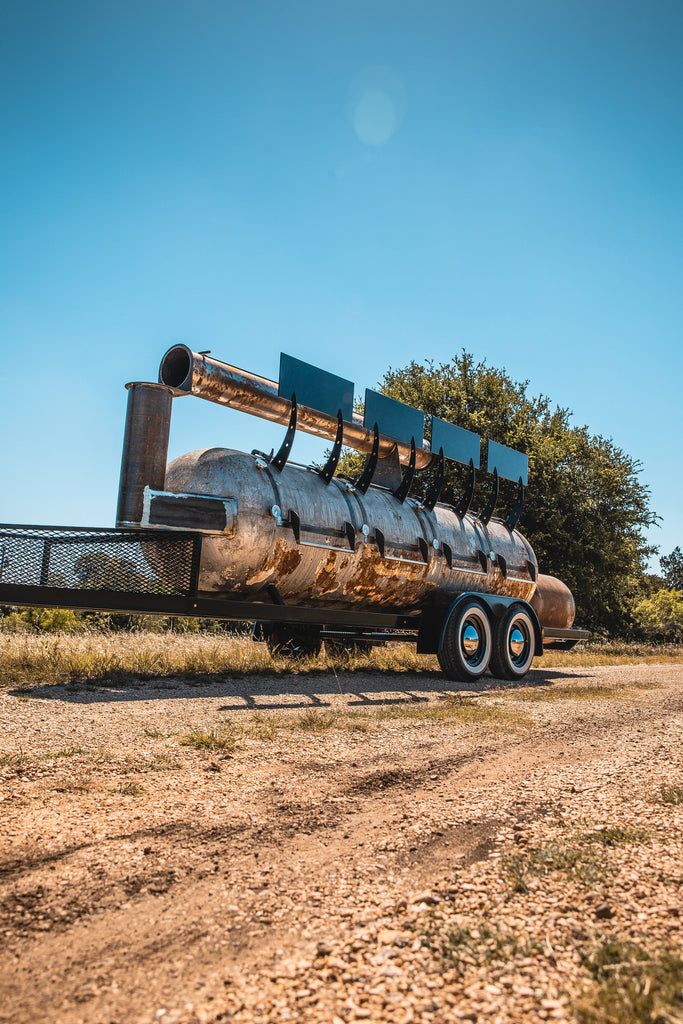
574,855
593,654
670,795
224,738
632,984
108,658
581,691
130,789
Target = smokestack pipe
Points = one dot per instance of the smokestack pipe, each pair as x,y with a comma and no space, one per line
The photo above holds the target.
191,374
145,448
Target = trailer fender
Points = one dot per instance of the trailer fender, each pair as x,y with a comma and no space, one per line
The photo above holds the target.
433,621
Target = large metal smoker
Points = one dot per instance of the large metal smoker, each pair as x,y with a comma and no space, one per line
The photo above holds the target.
307,555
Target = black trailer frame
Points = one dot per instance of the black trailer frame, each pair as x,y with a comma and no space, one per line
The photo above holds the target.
156,571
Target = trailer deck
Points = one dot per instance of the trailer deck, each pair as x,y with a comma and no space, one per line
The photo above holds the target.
155,572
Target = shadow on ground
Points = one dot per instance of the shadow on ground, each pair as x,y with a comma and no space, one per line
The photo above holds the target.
366,689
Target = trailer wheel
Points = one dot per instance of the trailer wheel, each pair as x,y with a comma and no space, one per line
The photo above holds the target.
513,644
466,648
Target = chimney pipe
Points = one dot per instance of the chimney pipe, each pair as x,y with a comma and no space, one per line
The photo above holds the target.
145,448
190,373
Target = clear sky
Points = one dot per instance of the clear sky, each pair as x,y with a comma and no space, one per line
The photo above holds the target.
358,184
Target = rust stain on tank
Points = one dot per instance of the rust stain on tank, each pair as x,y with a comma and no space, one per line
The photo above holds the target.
375,581
326,576
286,559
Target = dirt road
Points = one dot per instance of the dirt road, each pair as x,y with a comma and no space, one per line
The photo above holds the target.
343,848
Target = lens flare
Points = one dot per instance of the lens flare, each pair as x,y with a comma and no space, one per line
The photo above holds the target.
375,105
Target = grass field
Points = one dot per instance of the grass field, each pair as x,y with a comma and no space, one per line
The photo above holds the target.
29,659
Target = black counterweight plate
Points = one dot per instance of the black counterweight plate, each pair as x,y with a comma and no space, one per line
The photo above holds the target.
458,444
394,419
510,464
315,388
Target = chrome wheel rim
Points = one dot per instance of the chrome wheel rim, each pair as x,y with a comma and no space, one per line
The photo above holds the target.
520,651
474,640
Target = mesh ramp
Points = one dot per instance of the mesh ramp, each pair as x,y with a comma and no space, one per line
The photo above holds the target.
98,560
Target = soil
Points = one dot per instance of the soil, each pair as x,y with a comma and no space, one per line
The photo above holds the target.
319,875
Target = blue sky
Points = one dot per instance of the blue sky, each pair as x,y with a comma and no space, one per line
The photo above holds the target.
357,184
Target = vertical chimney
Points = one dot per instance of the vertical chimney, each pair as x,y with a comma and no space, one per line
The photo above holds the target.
145,448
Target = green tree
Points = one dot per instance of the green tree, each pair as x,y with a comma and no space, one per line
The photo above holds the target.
661,617
672,568
585,510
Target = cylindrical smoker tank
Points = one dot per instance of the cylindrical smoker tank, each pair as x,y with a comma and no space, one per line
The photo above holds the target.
553,602
385,569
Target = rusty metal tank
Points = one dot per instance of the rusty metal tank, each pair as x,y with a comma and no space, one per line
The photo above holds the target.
352,549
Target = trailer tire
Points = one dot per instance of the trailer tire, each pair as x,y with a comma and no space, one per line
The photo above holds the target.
513,644
467,643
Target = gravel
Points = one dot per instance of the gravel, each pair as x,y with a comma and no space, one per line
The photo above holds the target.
443,862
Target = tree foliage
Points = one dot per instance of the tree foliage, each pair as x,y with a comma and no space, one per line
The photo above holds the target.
585,510
672,568
661,617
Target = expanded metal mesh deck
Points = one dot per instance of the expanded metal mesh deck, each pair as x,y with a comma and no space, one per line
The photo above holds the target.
115,561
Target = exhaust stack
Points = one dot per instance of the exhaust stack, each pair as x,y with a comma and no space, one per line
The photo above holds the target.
145,448
190,373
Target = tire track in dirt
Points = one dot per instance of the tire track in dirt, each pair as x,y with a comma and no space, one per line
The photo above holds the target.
302,862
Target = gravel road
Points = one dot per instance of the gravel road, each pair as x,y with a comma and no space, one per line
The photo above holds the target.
351,847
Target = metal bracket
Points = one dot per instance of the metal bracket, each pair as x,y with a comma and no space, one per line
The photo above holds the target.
380,541
262,458
532,569
502,565
327,472
388,472
464,505
350,531
293,522
485,517
365,479
513,518
401,492
437,486
280,460
483,561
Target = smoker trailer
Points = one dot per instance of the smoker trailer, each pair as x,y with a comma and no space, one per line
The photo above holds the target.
307,556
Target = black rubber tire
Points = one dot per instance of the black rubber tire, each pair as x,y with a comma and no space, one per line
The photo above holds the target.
514,644
467,643
291,641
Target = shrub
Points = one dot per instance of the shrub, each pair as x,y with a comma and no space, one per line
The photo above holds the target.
661,616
